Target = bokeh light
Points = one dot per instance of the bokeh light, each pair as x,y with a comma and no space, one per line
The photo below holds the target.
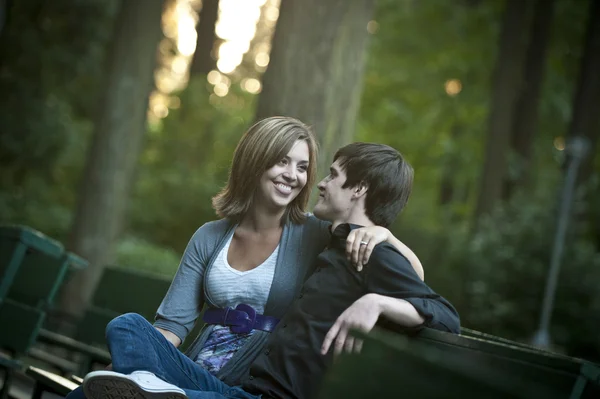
251,85
559,143
453,87
372,27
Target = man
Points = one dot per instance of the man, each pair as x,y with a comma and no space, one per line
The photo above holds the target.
368,185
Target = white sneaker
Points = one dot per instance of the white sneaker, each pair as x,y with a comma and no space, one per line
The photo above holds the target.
137,385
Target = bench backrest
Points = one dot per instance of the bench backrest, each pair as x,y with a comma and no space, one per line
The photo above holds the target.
24,252
559,372
33,267
121,291
393,365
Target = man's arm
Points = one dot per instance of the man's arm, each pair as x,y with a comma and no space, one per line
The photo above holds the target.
362,316
397,293
390,274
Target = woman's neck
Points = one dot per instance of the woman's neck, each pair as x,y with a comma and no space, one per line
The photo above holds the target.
260,219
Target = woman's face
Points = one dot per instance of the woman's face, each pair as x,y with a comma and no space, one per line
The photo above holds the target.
281,183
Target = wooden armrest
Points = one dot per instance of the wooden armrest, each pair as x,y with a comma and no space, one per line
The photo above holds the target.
50,381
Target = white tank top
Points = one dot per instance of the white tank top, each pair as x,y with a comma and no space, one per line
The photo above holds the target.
230,287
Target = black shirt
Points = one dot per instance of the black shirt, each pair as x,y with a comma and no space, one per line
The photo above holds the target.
291,365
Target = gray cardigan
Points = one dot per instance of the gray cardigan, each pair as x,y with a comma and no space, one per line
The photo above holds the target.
299,246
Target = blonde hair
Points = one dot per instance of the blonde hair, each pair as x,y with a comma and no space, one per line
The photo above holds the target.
262,146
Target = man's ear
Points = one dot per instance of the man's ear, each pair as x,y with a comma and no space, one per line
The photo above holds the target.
360,190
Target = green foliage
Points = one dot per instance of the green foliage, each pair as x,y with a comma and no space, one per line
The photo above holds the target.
49,82
185,163
405,103
52,56
418,48
502,269
134,253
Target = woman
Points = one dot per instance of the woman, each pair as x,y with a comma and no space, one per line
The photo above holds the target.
258,255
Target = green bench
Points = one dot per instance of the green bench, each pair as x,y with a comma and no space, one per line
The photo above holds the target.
50,382
32,268
393,365
571,377
438,364
120,291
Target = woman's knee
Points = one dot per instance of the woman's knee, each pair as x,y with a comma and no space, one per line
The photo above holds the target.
127,322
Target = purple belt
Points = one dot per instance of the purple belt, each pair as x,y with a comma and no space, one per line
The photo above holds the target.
242,319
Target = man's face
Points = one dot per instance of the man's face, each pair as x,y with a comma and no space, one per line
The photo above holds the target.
334,202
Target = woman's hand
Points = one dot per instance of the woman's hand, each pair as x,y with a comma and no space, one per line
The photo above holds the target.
360,244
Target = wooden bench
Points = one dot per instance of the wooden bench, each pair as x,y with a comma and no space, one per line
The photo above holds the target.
121,291
438,364
570,376
393,365
49,382
32,268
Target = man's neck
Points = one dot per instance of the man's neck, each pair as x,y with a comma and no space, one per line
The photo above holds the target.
361,220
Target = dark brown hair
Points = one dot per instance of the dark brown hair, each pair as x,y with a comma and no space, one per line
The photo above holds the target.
384,171
261,147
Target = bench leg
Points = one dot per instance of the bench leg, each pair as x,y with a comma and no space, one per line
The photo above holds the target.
85,365
8,376
37,391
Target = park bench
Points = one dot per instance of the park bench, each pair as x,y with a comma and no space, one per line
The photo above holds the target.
119,291
438,364
50,382
571,377
32,268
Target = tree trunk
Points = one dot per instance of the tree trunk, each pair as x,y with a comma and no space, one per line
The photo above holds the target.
118,131
4,7
506,82
204,59
316,68
526,112
586,102
449,162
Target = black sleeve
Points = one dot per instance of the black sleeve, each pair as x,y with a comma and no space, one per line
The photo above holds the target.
389,273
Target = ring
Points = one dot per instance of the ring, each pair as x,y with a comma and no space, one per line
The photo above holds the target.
363,243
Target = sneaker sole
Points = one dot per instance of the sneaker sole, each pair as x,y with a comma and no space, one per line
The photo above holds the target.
100,387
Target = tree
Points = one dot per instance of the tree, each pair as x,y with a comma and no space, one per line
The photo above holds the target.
526,111
586,102
118,130
4,5
506,82
204,60
316,68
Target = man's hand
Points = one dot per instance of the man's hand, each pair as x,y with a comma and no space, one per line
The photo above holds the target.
360,244
361,315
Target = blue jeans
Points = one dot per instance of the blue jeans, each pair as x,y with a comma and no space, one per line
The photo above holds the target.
134,344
